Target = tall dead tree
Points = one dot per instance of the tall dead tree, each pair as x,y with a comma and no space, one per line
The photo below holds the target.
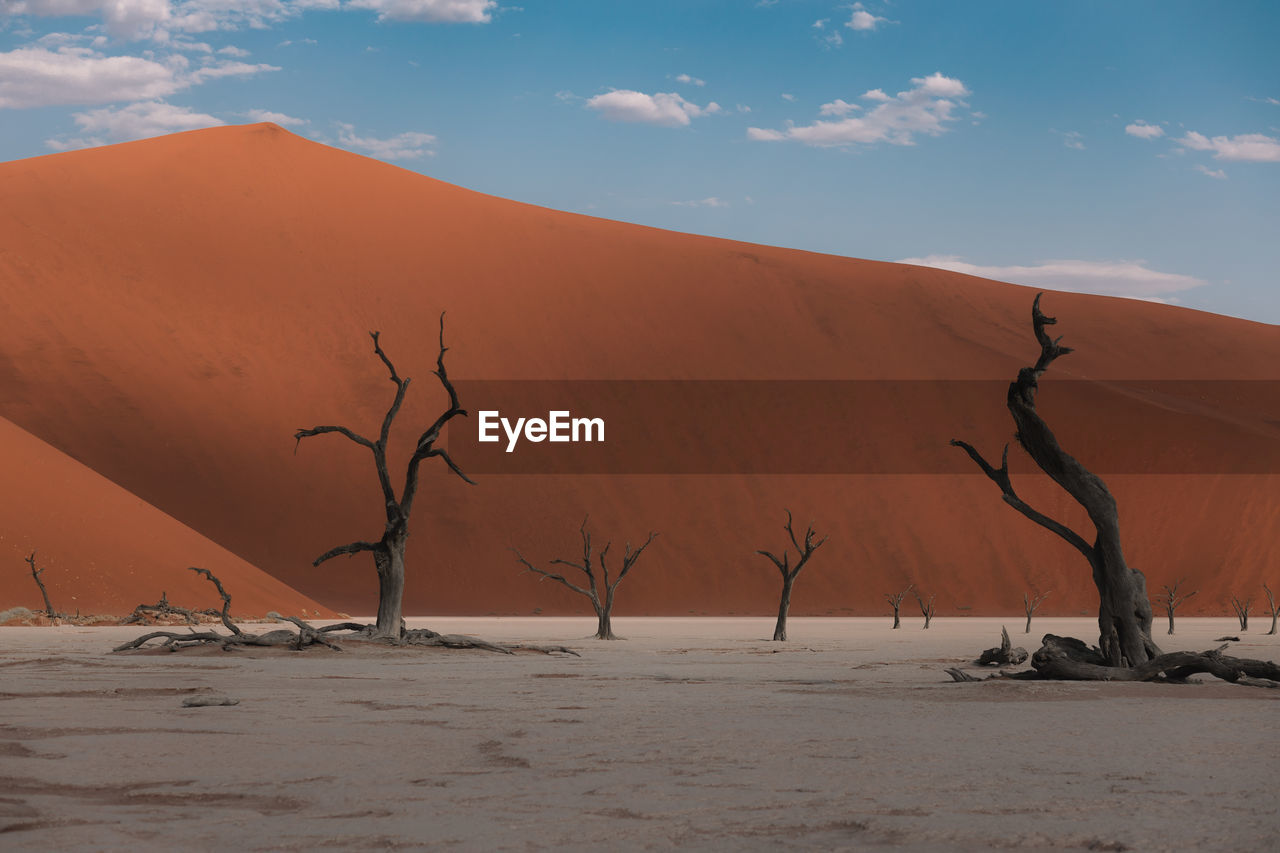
388,551
1124,614
926,609
1029,605
895,600
1271,607
1170,599
1125,649
600,589
790,572
44,593
1242,610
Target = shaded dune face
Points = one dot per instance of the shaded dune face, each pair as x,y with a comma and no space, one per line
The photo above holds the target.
179,307
105,551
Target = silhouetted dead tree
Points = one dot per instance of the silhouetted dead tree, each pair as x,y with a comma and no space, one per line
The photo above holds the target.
1170,599
1271,608
895,601
926,609
388,551
148,613
1242,610
1029,605
44,593
1125,649
790,572
596,584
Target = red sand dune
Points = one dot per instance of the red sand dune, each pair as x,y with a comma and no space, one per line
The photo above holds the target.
178,307
106,551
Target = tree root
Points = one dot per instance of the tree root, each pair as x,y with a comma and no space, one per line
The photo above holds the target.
1068,659
1003,655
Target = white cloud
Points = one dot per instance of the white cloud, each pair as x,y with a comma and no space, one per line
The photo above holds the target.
403,146
662,108
838,107
1249,147
276,118
1131,279
923,109
431,11
37,77
863,19
135,121
702,202
685,78
787,96
230,50
1213,173
1142,130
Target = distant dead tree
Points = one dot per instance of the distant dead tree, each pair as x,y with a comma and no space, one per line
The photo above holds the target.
600,590
1242,610
1029,605
44,593
789,572
926,609
388,551
895,600
1170,599
1271,608
1126,651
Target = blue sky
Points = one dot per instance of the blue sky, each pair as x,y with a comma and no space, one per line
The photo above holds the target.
1127,148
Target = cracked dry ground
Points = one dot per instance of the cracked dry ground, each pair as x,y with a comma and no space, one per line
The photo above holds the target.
696,734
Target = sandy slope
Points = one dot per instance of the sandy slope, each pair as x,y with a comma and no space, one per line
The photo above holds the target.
691,733
104,550
184,304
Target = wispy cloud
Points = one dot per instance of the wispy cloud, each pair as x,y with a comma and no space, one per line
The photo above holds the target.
431,11
1248,147
135,121
923,109
403,146
1071,139
702,202
1132,279
688,80
666,109
1213,173
276,118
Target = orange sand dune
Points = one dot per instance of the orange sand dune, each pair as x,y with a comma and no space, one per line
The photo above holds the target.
104,550
179,307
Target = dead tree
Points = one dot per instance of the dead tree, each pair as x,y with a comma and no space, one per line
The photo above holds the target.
388,551
790,572
1271,608
1170,599
1125,649
926,609
1003,655
600,589
1029,605
44,593
895,601
307,635
1242,610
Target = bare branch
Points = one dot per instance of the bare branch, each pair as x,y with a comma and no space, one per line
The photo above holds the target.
353,548
44,593
1000,476
629,558
546,575
226,598
321,430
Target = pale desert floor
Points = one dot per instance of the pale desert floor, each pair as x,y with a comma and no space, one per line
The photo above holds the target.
692,733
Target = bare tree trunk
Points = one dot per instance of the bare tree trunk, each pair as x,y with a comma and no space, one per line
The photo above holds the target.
897,622
780,629
388,557
1242,611
1271,605
604,617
